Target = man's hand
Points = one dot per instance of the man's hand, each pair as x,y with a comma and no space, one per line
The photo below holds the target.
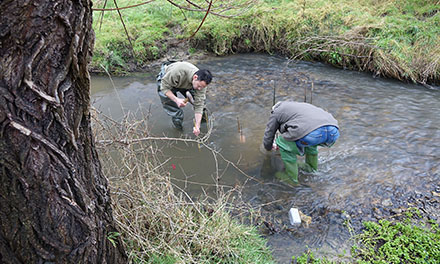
180,102
196,131
264,150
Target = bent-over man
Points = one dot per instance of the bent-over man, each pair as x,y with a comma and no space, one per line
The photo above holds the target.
302,128
182,77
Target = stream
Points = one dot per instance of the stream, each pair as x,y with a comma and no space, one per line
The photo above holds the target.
386,159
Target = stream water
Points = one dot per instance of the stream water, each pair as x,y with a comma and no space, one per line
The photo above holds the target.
388,152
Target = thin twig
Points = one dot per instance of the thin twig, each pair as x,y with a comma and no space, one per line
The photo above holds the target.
114,87
102,15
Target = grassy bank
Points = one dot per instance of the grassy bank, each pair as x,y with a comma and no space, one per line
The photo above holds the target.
408,239
397,39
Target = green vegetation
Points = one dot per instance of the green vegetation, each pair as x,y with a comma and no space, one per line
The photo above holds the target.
147,26
398,39
396,242
411,240
158,222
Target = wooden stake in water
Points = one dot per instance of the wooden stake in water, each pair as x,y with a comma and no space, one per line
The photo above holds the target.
240,132
273,97
305,94
311,93
238,125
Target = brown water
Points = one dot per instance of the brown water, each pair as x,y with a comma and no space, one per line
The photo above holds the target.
388,152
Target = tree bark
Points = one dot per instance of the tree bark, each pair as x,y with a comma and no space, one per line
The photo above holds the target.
54,200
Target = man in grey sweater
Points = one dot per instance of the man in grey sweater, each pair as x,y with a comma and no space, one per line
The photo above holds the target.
182,77
302,128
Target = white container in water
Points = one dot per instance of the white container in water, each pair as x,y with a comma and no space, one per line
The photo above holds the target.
294,217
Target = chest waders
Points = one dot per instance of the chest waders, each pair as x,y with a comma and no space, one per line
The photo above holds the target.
288,151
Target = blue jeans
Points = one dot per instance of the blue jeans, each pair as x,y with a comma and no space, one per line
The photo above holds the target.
325,135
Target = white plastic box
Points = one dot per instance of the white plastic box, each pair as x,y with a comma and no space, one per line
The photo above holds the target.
294,217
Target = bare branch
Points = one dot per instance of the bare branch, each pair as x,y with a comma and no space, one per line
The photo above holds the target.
120,8
102,15
223,9
203,20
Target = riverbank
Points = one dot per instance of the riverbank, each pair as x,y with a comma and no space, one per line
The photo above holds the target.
396,40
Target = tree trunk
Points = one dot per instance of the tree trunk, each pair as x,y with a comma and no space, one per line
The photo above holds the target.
54,200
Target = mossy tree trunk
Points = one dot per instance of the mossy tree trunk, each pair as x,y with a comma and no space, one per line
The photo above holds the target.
54,200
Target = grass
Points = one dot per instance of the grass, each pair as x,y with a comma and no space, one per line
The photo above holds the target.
146,26
158,222
398,39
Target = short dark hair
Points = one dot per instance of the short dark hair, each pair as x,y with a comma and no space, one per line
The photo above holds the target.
204,75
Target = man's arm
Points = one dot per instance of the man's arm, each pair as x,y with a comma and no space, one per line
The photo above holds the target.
197,121
199,103
271,129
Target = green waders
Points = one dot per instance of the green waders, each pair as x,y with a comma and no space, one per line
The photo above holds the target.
288,151
312,157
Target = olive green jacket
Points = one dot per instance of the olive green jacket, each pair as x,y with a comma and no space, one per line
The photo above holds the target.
179,75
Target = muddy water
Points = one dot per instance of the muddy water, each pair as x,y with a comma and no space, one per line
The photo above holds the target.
388,152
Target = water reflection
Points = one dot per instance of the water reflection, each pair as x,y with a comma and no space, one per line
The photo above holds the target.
388,149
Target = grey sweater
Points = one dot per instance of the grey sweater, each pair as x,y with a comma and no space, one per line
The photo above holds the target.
179,75
294,121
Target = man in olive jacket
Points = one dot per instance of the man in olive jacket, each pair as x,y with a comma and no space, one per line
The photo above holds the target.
302,128
181,77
